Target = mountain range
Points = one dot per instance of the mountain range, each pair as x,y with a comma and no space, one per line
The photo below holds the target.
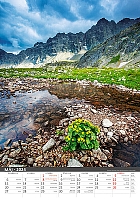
105,43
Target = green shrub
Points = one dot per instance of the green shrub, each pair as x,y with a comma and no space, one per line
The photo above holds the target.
81,134
115,59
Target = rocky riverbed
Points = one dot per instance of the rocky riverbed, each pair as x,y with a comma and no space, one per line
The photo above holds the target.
119,128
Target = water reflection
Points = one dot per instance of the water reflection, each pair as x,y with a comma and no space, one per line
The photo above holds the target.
23,113
98,96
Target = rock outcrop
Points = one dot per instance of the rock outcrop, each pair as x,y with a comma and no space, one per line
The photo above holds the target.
118,50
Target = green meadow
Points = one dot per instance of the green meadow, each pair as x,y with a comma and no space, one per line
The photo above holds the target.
119,76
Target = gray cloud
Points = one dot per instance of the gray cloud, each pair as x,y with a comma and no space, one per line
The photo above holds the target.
25,22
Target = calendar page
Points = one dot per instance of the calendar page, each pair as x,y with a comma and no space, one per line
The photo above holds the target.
73,183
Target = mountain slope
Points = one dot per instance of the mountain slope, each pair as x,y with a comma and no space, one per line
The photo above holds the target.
123,47
65,46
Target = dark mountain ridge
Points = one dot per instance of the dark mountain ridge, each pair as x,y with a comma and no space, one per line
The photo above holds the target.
70,44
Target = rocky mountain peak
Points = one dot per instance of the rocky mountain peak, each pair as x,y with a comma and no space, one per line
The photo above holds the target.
71,45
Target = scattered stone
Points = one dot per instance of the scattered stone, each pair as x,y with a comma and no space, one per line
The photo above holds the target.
80,115
16,165
83,159
38,158
122,132
74,163
107,153
102,156
109,134
30,161
110,165
62,121
126,139
48,145
15,145
93,111
5,159
14,153
107,123
46,123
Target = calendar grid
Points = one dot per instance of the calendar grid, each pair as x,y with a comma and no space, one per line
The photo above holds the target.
75,184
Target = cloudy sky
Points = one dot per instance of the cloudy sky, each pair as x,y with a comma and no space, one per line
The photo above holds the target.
25,22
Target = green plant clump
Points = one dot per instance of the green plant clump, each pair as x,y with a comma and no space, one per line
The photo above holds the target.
115,59
81,135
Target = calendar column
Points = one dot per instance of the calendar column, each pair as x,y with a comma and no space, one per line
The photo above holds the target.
85,184
31,183
49,184
132,183
13,183
121,184
103,184
67,184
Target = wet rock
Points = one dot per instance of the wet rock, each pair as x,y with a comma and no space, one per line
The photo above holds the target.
74,163
107,123
48,145
7,142
14,145
104,164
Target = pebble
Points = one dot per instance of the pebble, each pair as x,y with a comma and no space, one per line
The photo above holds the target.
48,145
102,156
109,134
15,153
93,111
38,158
74,163
122,132
107,123
83,159
30,161
126,139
